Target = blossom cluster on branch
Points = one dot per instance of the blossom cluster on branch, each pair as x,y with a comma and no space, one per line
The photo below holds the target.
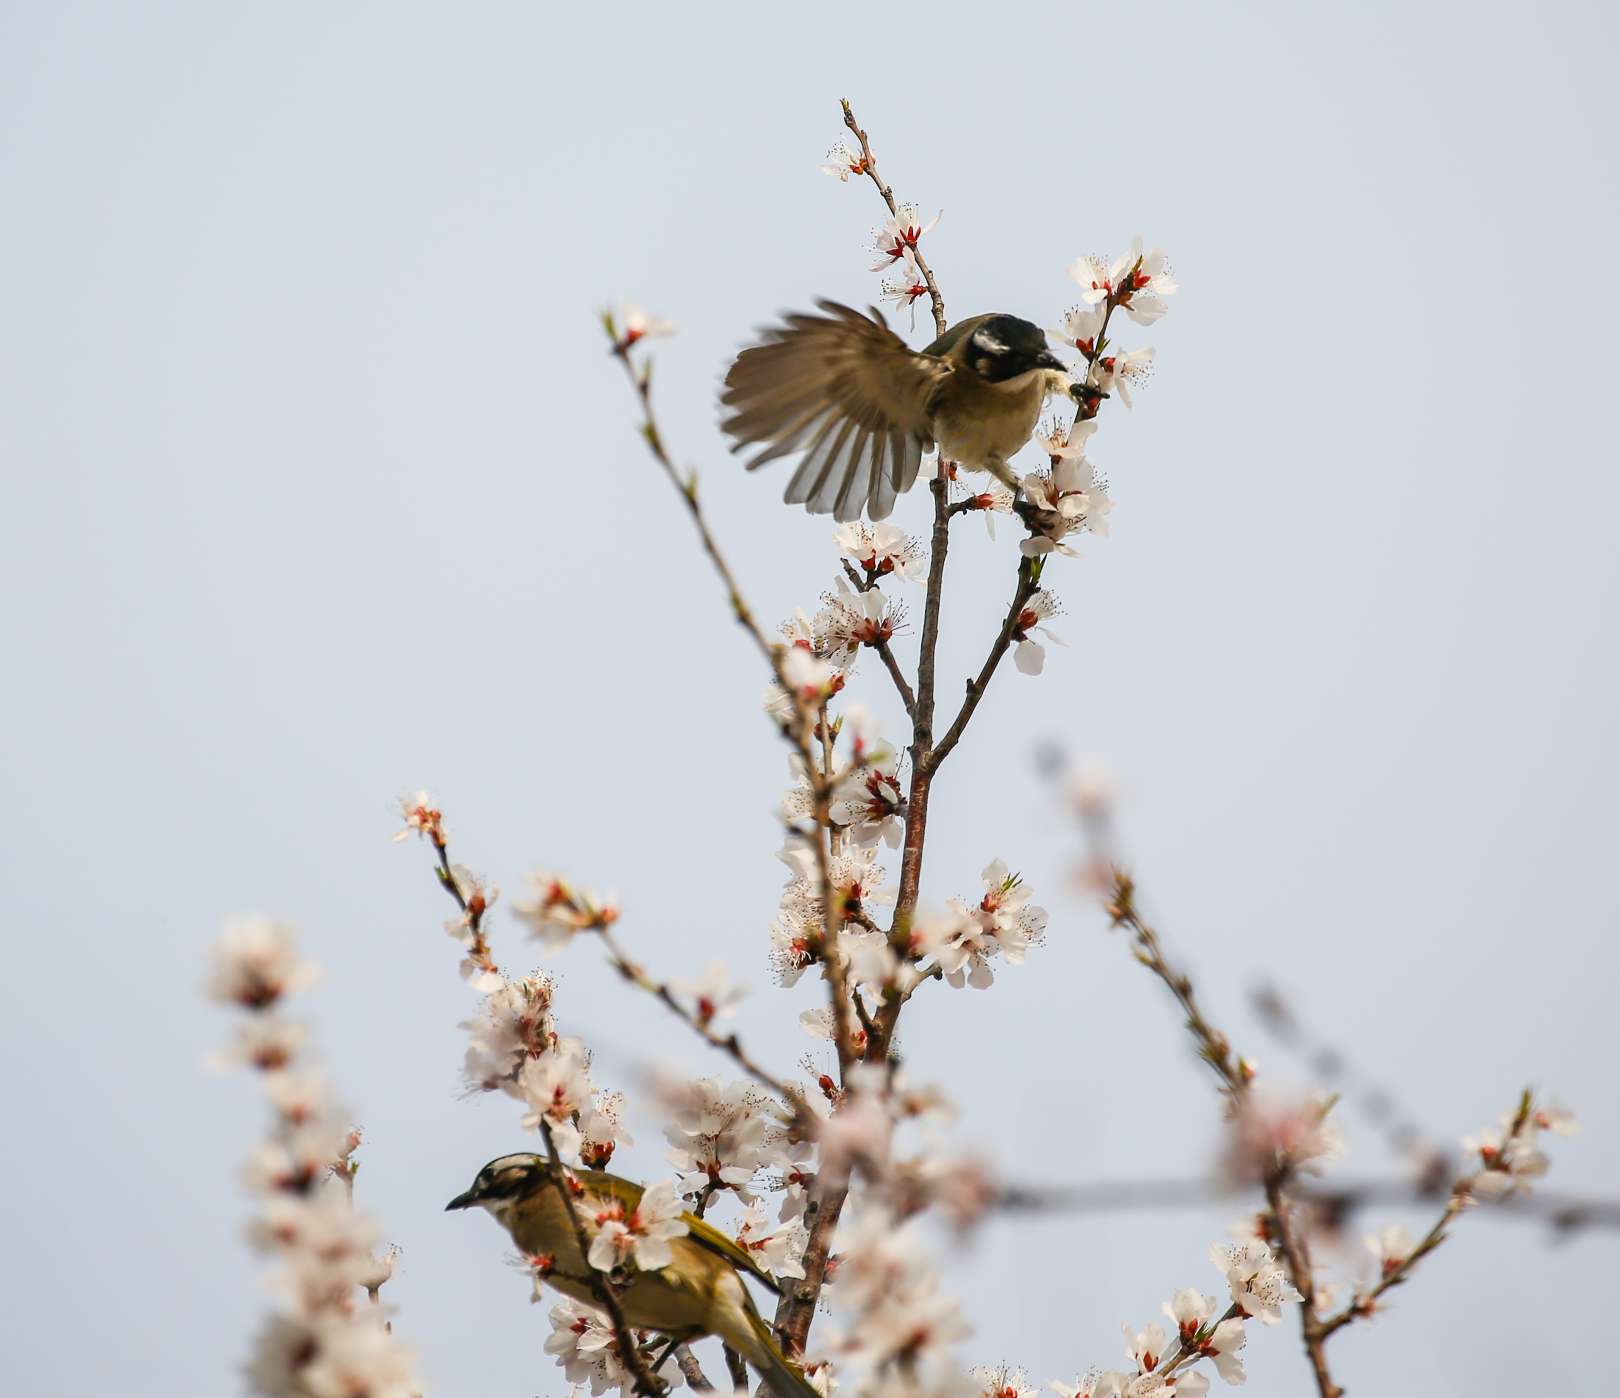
330,1336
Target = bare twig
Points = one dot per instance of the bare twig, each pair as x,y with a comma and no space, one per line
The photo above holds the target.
1029,578
901,684
1563,1213
1213,1046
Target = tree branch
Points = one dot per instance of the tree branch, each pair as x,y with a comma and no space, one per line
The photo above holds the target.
1028,583
727,1043
869,164
646,1382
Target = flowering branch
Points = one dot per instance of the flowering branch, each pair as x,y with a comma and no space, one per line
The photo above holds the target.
646,1382
1502,1171
474,903
869,168
1280,1147
323,1341
799,731
729,1044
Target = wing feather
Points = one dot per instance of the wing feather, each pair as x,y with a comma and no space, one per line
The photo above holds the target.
844,390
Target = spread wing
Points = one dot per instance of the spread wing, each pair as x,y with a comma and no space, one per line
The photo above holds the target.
629,1194
847,392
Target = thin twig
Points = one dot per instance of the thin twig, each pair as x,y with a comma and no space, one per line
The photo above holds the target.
1563,1213
1213,1046
869,164
637,976
1028,583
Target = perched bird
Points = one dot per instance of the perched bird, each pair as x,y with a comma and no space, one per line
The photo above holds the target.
698,1293
863,407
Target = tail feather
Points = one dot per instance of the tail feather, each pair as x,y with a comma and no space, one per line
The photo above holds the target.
748,1334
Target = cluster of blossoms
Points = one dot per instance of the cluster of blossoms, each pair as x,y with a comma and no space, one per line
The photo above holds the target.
1272,1131
972,934
721,1136
585,1348
331,1338
1510,1156
1163,1359
555,911
513,1044
898,1325
1069,495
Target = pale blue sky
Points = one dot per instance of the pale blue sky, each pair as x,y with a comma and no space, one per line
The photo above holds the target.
320,488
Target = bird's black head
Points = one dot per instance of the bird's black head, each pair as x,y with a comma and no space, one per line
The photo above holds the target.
505,1177
1005,347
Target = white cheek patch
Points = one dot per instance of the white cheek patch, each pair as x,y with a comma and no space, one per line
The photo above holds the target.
988,342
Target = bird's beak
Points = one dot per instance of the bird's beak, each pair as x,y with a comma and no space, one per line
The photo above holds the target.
1048,360
461,1201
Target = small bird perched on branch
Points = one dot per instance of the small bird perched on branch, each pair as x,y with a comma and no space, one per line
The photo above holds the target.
862,406
697,1293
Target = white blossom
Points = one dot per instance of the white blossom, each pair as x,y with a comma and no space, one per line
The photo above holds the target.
1094,1383
871,805
1030,654
1272,1130
556,1086
635,325
1080,329
422,816
601,1130
556,910
899,236
719,1136
1188,1309
1390,1247
513,1025
256,962
1145,1346
640,1234
779,1250
713,994
880,549
1136,281
842,162
1003,1382
1257,1281
1120,373
849,620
